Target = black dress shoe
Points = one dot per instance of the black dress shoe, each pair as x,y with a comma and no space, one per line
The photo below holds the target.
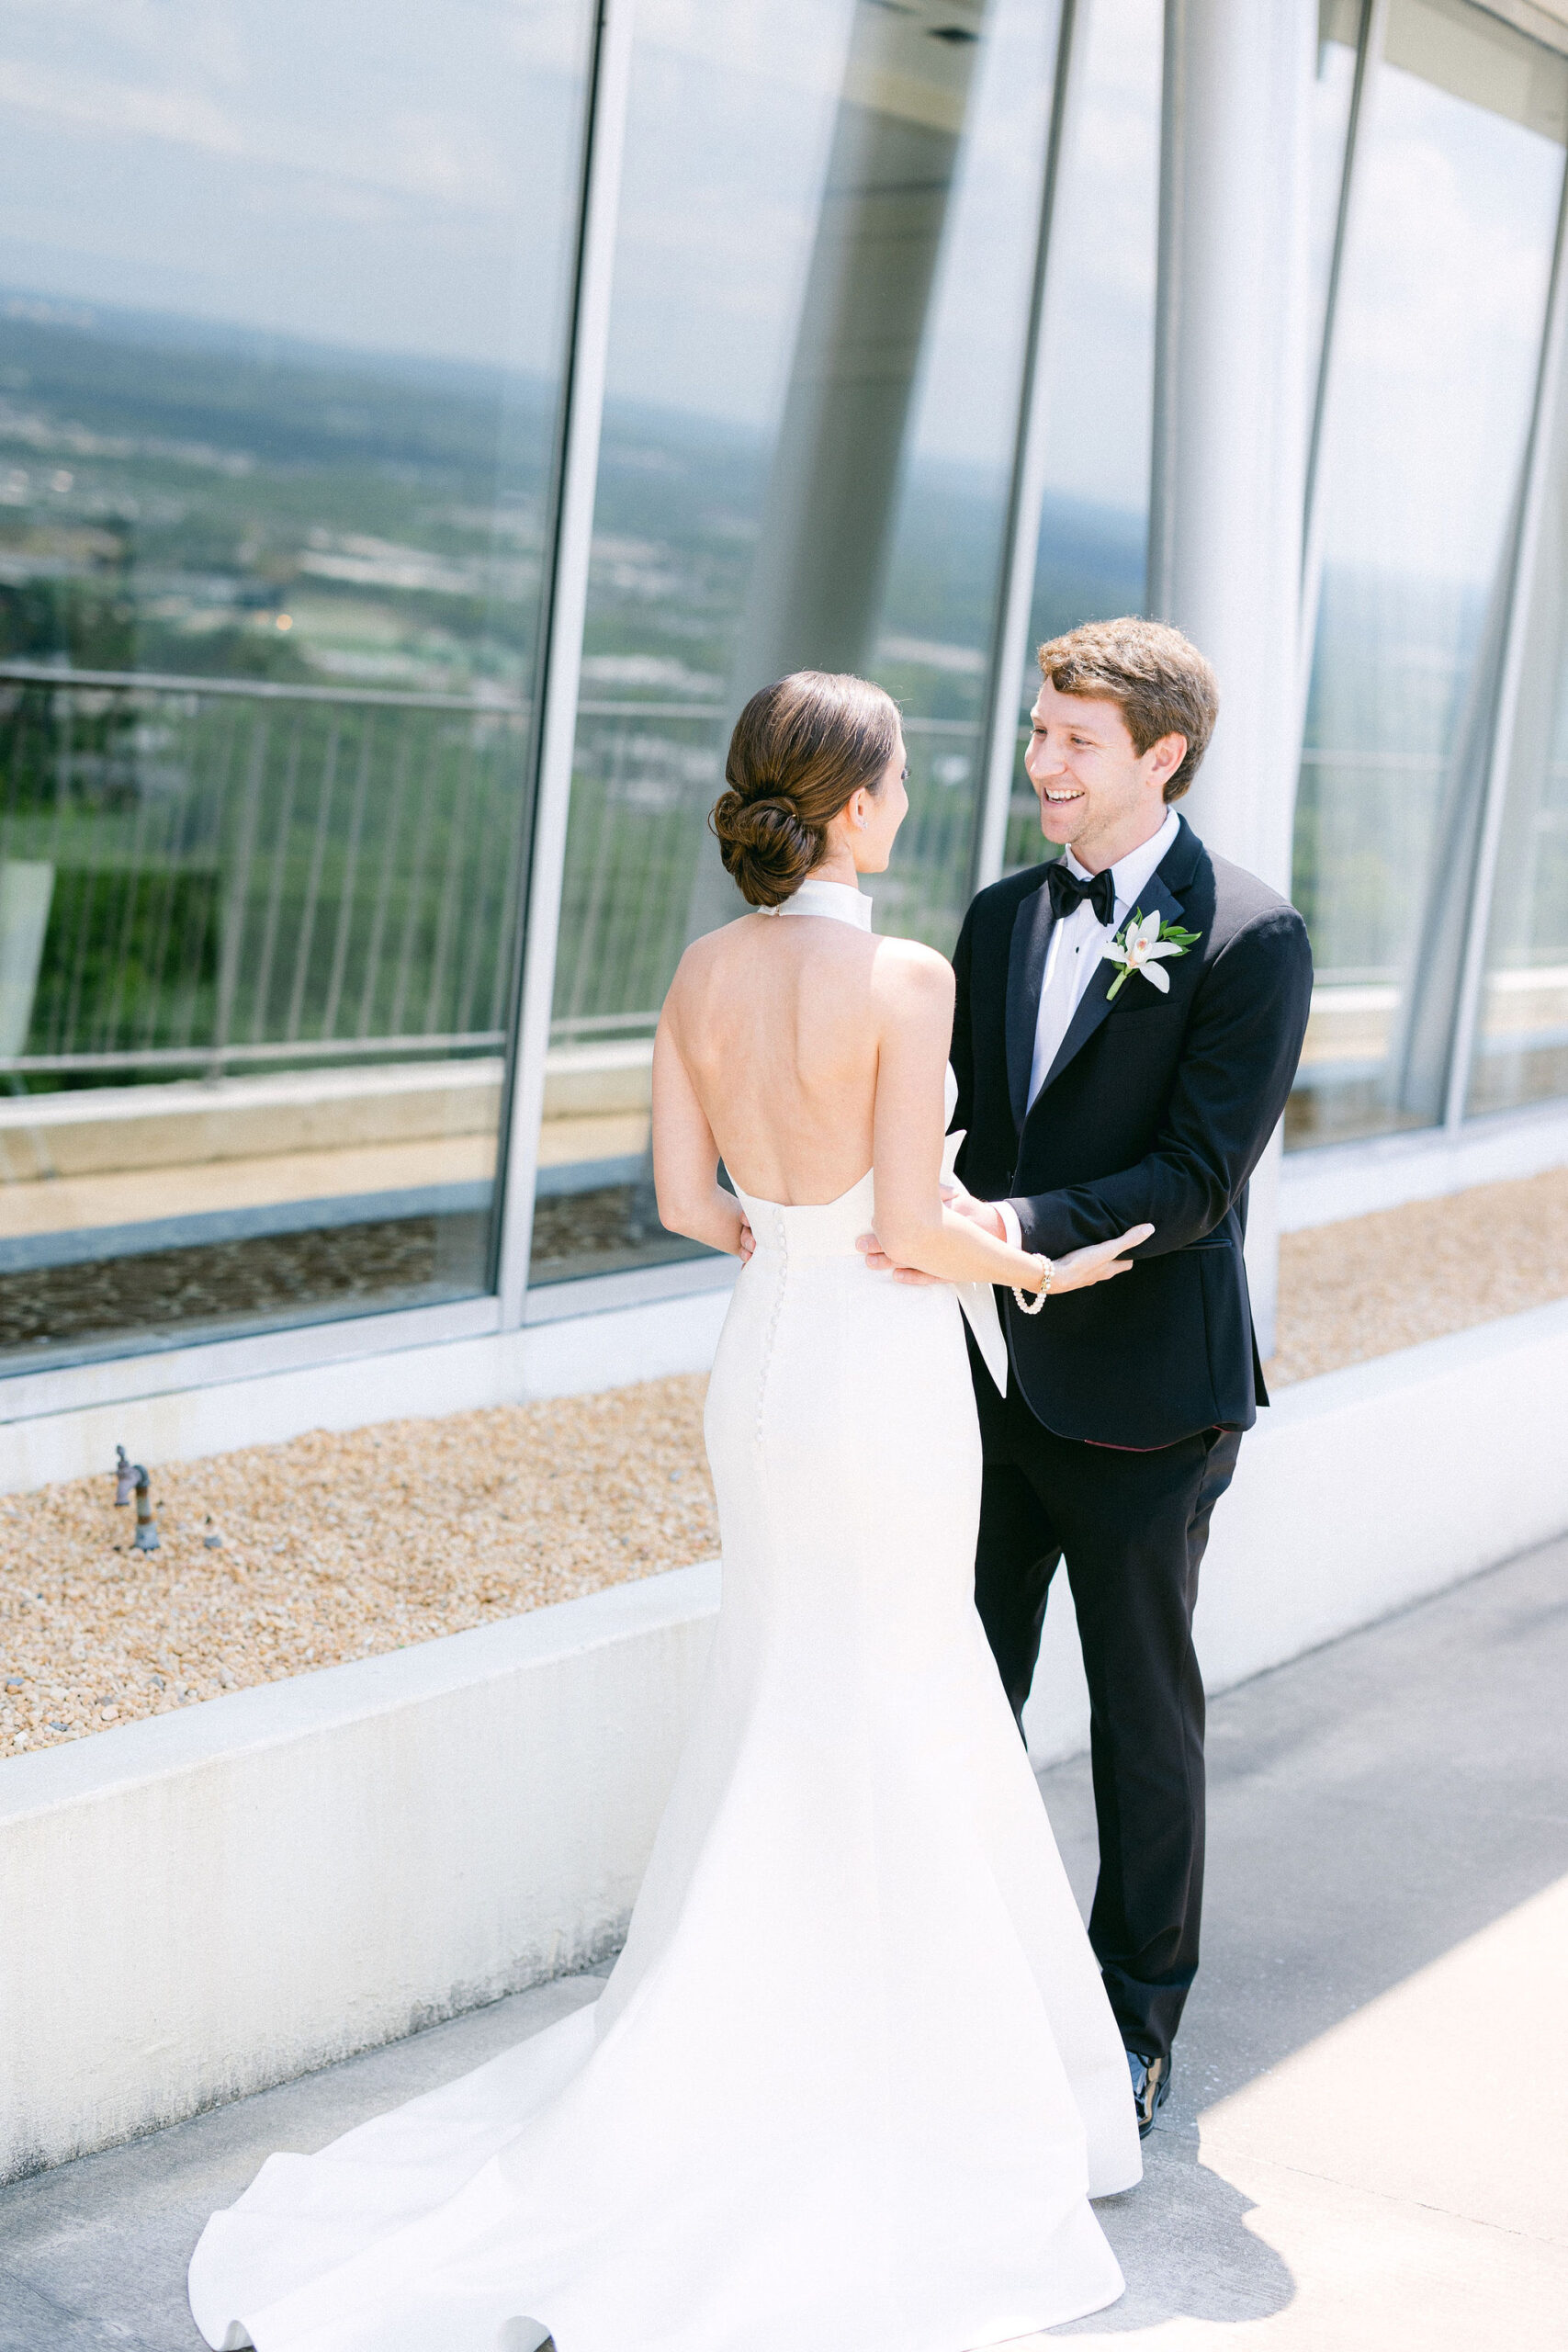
1151,2088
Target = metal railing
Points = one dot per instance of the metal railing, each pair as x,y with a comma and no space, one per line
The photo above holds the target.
647,773
228,873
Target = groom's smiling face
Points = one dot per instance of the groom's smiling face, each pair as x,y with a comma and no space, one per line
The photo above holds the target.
1099,796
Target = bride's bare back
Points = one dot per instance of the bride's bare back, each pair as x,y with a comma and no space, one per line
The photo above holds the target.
775,1024
804,1053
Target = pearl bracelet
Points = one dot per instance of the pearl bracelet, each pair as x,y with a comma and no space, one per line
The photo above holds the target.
1033,1306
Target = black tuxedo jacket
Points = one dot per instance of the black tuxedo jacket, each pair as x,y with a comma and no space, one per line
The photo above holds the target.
1156,1110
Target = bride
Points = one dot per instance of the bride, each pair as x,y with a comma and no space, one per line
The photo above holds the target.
853,2080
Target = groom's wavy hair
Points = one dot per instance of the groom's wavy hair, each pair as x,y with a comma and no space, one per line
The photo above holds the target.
800,752
1159,678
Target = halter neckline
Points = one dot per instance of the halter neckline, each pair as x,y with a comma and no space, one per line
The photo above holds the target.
839,901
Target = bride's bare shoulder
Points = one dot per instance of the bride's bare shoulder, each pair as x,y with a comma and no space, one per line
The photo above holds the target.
909,963
912,978
711,953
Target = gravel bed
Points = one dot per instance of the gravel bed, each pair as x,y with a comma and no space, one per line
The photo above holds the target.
336,1547
1364,1287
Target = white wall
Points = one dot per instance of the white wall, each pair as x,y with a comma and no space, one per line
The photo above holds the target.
202,1904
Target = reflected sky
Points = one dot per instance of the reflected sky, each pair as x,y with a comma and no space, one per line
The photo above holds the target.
1439,329
364,172
1098,362
405,145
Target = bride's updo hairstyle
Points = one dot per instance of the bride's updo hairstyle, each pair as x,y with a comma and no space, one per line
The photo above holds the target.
799,753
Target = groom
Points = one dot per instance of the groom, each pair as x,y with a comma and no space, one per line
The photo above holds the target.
1099,1093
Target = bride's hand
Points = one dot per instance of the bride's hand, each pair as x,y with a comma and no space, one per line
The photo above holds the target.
877,1259
1097,1262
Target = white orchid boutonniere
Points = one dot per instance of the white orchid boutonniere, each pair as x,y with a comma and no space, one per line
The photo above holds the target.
1144,942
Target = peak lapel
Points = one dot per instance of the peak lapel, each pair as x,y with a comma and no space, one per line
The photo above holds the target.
1026,973
1156,896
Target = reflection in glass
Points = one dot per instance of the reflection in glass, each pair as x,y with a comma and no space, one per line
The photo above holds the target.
280,345
828,229
1521,1043
1437,334
1098,357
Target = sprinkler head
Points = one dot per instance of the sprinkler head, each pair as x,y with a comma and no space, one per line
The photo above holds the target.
131,1478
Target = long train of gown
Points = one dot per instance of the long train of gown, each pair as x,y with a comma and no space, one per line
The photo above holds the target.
854,2079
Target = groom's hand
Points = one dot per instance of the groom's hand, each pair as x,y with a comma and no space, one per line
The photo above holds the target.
984,1214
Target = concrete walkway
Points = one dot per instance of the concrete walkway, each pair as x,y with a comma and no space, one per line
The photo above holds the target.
1368,2143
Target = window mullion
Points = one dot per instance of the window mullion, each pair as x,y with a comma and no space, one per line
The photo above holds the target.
1026,493
1544,435
584,414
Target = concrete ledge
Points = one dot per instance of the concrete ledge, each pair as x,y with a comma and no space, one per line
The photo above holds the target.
207,1903
590,1081
190,1121
1342,1180
1371,1487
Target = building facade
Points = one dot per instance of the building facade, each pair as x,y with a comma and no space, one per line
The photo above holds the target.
421,430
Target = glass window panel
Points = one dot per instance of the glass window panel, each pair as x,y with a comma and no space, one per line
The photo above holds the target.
1522,1044
283,291
1098,354
827,236
1437,335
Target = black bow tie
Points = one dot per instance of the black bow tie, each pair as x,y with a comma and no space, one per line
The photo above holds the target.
1067,893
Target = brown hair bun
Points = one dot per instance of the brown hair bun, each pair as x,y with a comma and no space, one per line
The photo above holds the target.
765,847
800,752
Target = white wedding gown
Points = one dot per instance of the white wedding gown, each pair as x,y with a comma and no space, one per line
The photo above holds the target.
853,2080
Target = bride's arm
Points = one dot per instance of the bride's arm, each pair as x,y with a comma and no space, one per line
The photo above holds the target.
685,1157
914,993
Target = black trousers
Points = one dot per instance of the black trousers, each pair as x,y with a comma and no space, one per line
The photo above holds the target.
1133,1528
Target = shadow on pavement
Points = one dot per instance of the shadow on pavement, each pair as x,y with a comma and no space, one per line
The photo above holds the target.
1185,2249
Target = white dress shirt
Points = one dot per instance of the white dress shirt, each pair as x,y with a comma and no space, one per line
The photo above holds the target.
1072,958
